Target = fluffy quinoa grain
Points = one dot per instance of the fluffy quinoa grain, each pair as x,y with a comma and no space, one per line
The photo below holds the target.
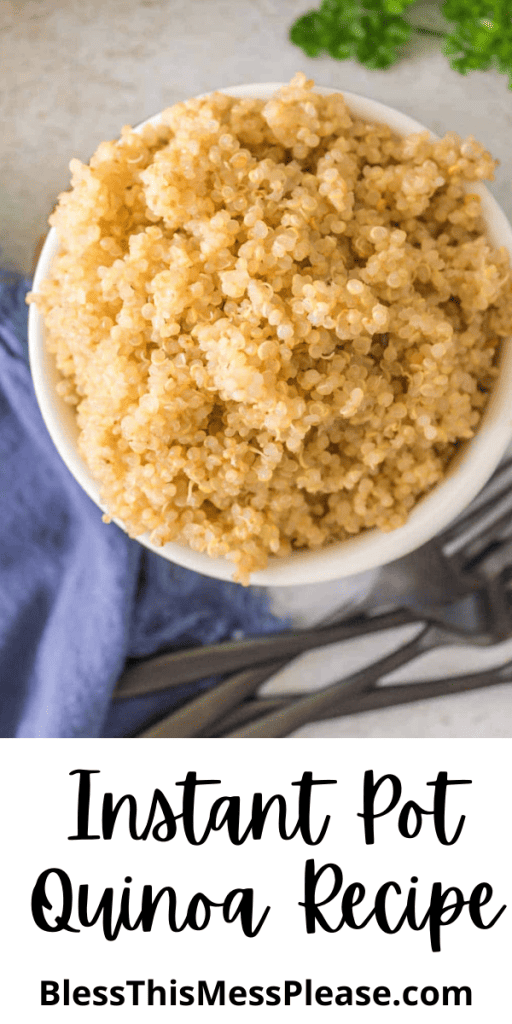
275,320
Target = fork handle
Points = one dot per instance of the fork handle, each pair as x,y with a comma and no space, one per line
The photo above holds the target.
378,698
194,717
372,700
166,670
299,712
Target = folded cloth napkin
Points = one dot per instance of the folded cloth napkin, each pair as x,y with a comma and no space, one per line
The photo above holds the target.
78,597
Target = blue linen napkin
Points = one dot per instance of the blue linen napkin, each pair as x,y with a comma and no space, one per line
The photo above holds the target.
78,597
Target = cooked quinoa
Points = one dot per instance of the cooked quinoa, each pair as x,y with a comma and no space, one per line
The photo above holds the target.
276,321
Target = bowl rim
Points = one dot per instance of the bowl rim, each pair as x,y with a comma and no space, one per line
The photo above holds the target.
466,475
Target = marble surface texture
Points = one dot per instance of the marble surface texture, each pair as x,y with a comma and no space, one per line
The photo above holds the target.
75,71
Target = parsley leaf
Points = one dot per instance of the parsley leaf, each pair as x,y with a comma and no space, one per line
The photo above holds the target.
372,31
481,36
368,30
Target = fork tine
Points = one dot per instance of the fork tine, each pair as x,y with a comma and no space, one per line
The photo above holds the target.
498,609
475,525
477,548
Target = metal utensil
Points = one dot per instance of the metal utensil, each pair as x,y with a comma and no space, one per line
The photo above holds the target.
446,566
194,718
195,663
280,721
497,598
458,572
375,699
304,709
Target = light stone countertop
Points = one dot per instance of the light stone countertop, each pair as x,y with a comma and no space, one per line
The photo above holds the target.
75,71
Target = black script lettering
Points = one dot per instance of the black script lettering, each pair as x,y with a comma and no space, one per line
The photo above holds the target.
410,810
480,896
244,910
40,902
84,802
310,904
239,903
440,790
161,821
370,790
444,908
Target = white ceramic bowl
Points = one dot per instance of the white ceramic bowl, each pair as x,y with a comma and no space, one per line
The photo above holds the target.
467,474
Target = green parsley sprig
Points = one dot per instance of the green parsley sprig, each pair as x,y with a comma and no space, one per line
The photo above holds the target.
373,32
